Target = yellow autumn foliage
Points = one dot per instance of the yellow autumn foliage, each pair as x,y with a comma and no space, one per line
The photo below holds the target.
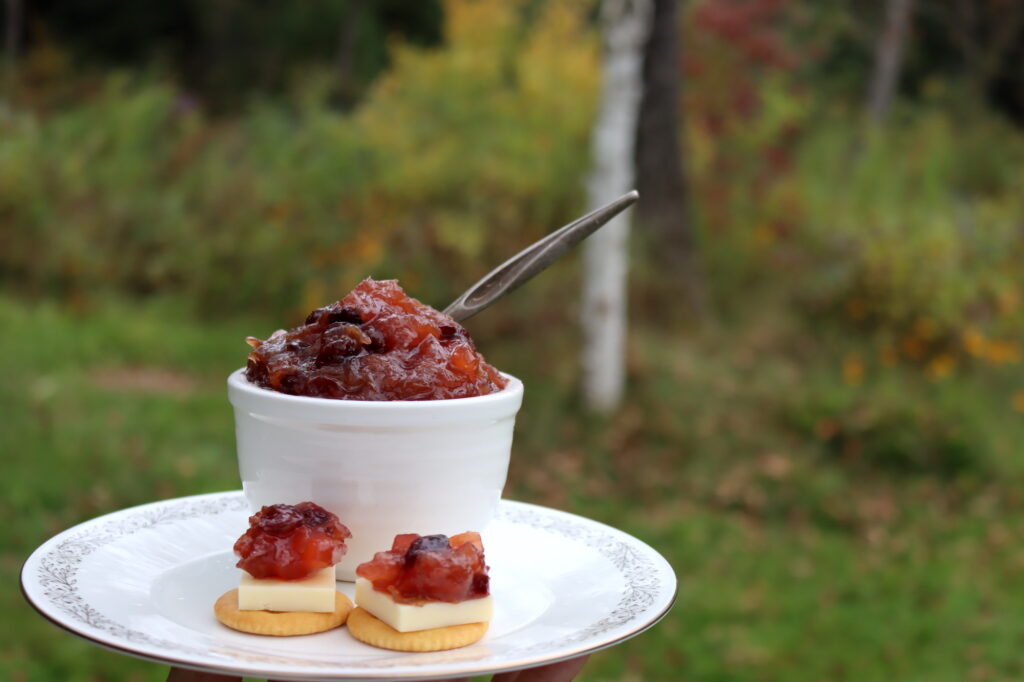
461,141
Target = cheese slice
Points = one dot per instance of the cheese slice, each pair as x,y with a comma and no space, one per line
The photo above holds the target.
410,617
313,593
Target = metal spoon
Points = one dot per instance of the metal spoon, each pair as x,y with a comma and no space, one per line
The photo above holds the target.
533,259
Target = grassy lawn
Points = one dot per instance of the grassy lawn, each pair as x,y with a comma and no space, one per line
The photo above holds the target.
820,530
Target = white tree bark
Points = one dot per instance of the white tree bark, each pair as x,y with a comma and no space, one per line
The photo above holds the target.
625,25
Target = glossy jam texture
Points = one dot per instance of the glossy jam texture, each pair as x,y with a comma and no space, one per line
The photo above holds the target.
289,542
430,568
377,343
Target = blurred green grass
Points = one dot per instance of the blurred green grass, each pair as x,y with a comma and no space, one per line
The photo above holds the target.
795,560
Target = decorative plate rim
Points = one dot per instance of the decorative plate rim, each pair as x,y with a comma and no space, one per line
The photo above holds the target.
55,564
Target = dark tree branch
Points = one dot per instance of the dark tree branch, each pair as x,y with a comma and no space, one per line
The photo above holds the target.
347,41
12,38
889,58
661,178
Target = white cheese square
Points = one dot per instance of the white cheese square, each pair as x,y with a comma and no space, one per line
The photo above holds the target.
410,617
313,593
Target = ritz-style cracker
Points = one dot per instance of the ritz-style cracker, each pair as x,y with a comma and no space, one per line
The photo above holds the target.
280,623
369,629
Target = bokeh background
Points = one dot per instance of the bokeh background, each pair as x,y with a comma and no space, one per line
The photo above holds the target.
823,424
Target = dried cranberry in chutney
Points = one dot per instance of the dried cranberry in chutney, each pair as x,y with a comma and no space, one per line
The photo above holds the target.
430,568
377,343
289,542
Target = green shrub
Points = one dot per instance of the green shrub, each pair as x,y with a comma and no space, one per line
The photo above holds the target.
457,158
902,237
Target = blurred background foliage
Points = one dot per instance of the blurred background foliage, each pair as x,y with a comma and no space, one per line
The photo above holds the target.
831,454
383,188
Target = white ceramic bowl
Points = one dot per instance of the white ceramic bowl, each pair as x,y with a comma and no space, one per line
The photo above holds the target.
384,467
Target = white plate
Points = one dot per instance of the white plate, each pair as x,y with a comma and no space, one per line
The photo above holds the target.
142,581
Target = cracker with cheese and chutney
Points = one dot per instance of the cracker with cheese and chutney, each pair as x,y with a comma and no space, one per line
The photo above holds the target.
288,585
428,593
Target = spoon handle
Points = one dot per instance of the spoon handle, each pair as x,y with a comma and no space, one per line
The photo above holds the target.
533,259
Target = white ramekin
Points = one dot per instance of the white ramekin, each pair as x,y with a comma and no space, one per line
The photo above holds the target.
384,467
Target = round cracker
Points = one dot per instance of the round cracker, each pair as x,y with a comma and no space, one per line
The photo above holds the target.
280,623
369,629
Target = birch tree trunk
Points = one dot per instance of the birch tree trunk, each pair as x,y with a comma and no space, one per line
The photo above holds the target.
625,25
888,58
